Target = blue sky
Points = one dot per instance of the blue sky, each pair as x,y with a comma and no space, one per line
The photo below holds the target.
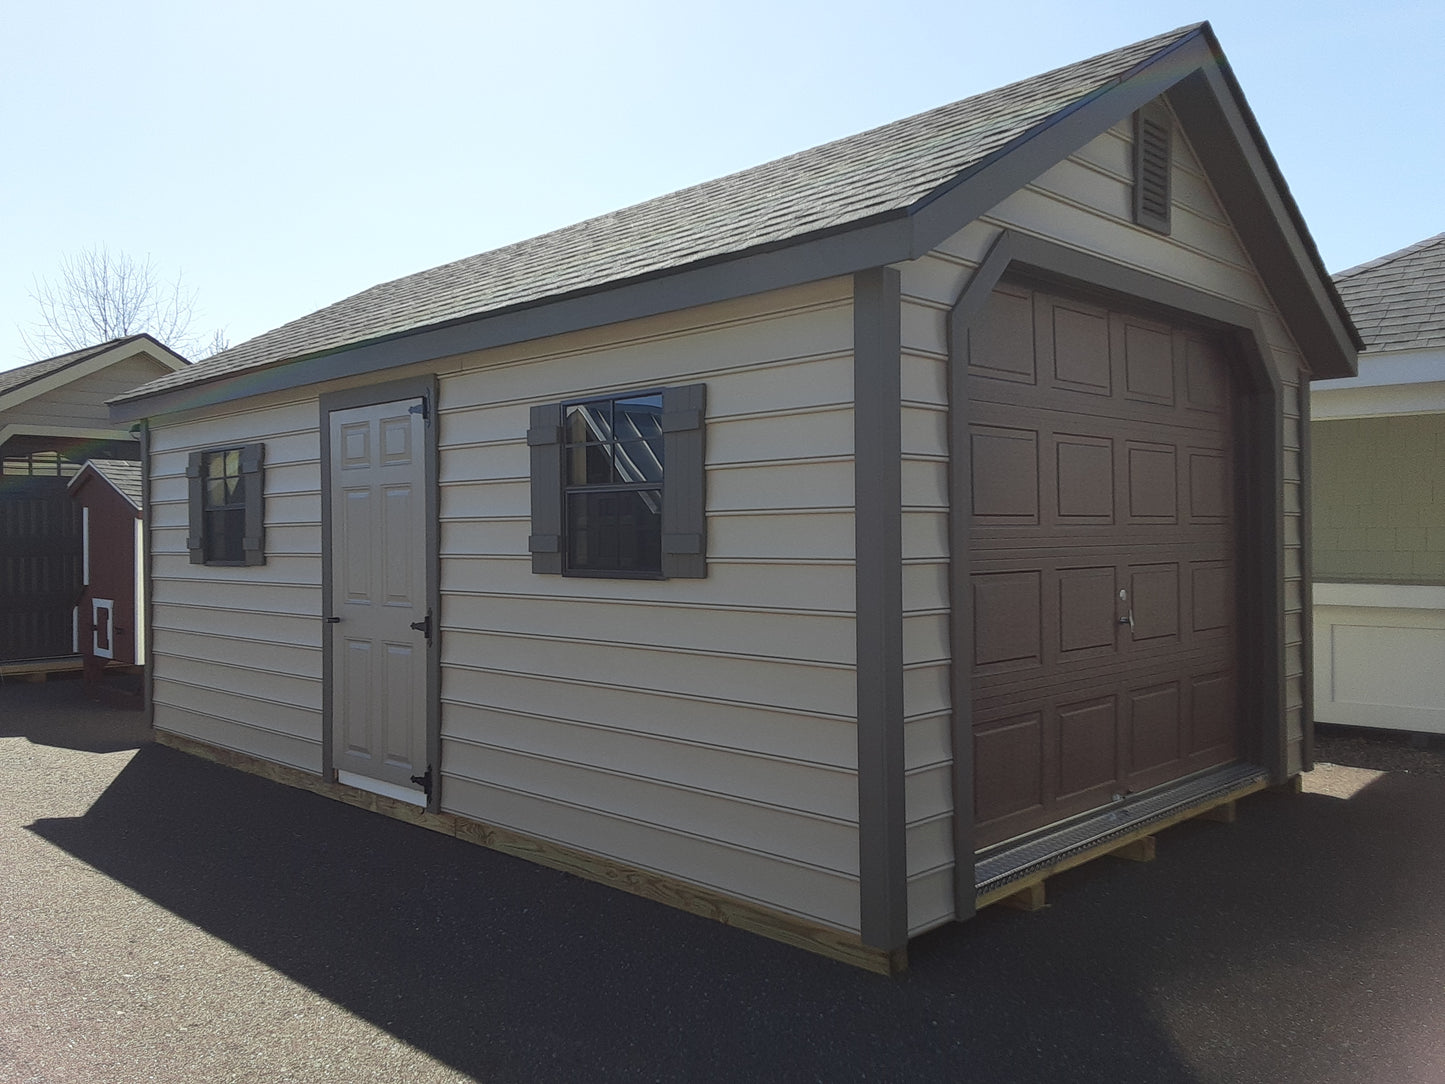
284,154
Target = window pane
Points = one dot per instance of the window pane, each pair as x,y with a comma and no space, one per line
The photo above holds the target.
589,464
640,460
639,417
589,421
233,462
224,532
215,492
615,532
236,490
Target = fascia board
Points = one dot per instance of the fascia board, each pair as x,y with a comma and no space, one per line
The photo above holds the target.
74,431
1209,107
859,248
1379,401
1381,368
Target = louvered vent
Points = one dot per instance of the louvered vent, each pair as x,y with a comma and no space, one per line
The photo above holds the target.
1151,167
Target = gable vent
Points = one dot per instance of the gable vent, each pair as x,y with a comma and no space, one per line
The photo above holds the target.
1151,167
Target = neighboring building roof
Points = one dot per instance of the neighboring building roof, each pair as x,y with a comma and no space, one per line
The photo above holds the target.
11,379
899,172
123,475
1398,301
13,382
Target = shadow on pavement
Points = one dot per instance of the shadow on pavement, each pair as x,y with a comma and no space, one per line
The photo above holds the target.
59,712
1230,958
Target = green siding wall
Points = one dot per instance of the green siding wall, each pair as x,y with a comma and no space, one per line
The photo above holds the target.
1379,499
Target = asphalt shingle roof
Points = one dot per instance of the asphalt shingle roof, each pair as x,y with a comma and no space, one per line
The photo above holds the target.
123,474
1398,301
879,173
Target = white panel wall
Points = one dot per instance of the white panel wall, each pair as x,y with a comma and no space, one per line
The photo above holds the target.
1083,203
80,404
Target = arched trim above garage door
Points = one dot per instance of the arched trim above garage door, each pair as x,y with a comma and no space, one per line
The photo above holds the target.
1260,432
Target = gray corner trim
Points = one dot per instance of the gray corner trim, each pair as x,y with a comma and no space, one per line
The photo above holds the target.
1261,469
423,387
1243,172
1307,582
878,449
1016,164
148,682
860,246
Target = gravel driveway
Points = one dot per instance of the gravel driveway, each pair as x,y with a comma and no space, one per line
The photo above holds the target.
169,920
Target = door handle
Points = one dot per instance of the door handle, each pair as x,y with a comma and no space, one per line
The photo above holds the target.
1128,620
332,620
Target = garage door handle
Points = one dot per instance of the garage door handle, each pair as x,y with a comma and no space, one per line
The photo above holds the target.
1128,620
333,620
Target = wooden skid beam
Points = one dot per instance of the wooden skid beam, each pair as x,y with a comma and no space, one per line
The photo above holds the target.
1028,898
1138,850
1224,813
799,933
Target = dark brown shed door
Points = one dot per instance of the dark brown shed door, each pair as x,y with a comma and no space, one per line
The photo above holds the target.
1102,557
40,552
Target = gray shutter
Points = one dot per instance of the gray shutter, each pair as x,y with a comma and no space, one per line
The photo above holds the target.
684,498
253,541
1152,163
196,521
544,440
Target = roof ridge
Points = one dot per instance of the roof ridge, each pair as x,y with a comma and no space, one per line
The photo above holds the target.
1389,257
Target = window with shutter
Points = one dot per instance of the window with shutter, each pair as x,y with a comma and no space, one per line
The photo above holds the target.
227,505
618,485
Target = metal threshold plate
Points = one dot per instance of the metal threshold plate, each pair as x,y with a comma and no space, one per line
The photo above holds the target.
1016,861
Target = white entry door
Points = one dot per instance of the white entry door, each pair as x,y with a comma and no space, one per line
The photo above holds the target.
378,617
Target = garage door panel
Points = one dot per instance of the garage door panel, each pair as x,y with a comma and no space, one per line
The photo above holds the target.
1148,359
1074,344
1086,621
1210,492
1101,559
1084,479
1154,602
1008,762
1153,483
1007,623
1088,749
1001,343
1156,723
1004,475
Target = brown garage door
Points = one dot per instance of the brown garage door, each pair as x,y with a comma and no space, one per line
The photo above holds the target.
1102,557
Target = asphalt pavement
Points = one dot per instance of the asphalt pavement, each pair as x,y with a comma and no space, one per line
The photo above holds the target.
167,919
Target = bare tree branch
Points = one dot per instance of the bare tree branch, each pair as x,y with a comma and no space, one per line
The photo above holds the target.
101,296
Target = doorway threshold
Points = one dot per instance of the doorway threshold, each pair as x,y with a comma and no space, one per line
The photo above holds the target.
1075,841
380,786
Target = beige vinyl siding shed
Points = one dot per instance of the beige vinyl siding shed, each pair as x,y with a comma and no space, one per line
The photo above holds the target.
784,740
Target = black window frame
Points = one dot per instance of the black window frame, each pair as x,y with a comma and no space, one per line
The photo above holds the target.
681,534
247,509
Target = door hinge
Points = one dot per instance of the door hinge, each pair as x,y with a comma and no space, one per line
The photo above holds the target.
424,781
424,626
420,408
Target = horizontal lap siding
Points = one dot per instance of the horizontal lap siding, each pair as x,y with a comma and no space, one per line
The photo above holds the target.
703,729
1084,203
237,651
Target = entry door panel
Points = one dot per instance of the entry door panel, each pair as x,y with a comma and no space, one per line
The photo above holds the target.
378,538
1101,547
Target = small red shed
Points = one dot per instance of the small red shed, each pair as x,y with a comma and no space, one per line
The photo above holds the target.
111,610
